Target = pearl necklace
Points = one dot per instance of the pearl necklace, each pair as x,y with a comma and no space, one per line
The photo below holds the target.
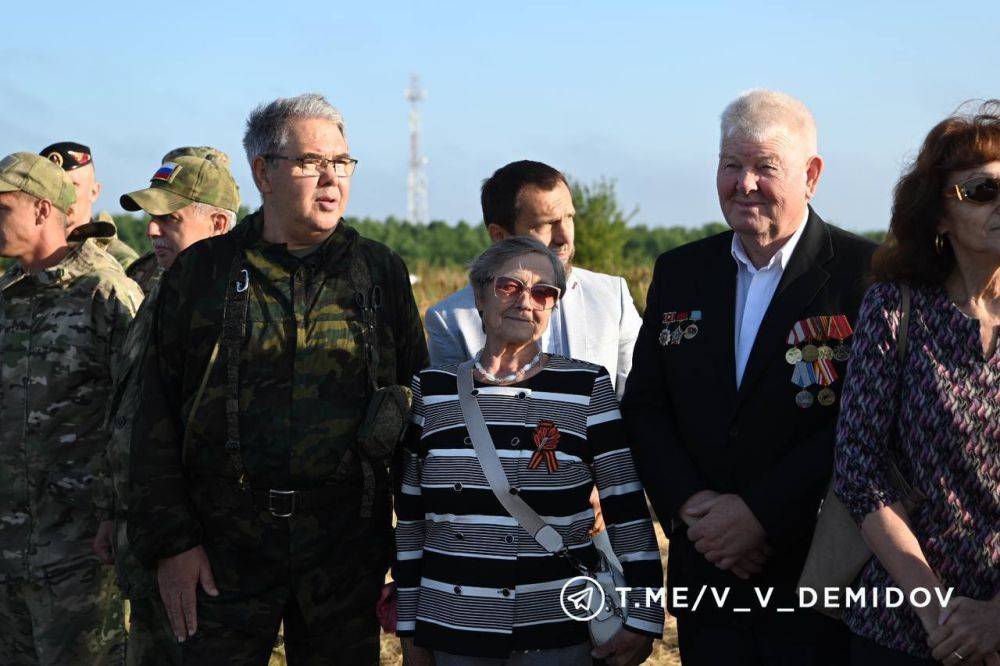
489,376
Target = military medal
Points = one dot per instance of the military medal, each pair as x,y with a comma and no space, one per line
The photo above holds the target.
678,326
826,375
803,376
810,353
840,329
796,336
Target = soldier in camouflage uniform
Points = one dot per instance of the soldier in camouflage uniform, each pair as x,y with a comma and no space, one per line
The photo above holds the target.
64,310
249,491
76,160
146,269
193,200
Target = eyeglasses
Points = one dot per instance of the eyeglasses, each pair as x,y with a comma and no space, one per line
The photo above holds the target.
978,190
313,165
543,296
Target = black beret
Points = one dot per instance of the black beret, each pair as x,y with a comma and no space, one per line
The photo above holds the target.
68,155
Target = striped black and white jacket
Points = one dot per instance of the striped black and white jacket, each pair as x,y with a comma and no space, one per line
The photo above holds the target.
470,580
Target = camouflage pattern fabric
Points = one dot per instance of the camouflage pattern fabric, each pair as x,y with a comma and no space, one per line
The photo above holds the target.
145,271
150,640
59,332
105,234
73,618
148,643
303,394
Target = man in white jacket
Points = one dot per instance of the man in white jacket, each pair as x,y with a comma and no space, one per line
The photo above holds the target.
596,320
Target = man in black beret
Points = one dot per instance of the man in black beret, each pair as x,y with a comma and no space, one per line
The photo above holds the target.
78,163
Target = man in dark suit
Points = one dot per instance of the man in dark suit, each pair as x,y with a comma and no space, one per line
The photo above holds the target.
734,391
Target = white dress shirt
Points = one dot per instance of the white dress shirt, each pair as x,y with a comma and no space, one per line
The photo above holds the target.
554,336
755,288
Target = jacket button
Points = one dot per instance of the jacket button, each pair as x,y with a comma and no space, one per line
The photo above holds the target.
458,590
505,592
514,441
457,487
734,431
460,536
513,491
120,421
475,391
522,395
509,539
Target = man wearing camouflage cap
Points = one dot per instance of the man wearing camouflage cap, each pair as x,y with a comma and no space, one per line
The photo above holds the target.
64,310
146,269
188,200
78,163
258,492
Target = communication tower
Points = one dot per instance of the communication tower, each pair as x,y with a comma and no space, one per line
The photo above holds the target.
416,181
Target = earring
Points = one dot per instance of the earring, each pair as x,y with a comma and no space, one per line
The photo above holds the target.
939,243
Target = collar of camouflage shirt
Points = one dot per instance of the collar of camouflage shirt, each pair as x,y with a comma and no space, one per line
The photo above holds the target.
76,262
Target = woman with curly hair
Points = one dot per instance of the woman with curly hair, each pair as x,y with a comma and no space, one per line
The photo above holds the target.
932,412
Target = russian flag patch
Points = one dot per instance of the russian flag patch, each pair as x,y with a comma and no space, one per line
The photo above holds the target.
166,173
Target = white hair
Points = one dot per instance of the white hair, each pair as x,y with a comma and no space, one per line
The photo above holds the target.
267,125
757,114
208,209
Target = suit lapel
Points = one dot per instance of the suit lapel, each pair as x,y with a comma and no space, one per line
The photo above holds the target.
575,310
801,281
718,291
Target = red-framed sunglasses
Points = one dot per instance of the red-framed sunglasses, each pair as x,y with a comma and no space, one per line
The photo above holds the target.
543,296
979,190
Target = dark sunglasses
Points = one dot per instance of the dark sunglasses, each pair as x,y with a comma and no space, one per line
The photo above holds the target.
978,190
543,296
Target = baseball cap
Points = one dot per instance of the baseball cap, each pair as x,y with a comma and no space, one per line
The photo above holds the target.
185,181
37,176
206,152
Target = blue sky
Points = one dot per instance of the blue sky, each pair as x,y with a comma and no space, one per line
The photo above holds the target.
629,90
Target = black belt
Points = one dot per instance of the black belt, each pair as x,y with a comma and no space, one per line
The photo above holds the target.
284,503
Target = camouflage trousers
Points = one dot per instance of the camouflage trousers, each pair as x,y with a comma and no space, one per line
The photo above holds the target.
320,572
73,618
150,641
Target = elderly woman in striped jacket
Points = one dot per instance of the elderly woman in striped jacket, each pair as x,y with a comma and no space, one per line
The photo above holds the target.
474,587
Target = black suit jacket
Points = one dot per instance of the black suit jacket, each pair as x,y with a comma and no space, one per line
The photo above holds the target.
691,429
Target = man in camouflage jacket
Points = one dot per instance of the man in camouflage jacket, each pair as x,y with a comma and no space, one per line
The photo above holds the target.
64,310
193,200
245,489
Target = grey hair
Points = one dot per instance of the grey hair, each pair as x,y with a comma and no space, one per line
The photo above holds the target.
208,209
267,124
484,268
757,113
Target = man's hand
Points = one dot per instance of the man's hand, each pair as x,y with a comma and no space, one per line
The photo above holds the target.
726,532
104,540
752,563
415,656
703,500
626,648
178,577
969,632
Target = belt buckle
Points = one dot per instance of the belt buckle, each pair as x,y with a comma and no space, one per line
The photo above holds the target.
272,494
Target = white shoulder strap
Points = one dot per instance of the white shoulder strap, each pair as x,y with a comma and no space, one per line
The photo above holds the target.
486,452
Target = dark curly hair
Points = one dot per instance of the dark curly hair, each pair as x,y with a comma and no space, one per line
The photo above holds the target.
961,141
